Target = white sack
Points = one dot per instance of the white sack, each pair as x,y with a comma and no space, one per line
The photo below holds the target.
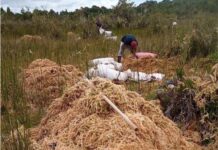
118,66
158,76
110,66
111,37
110,69
101,30
174,23
107,60
105,72
145,77
108,33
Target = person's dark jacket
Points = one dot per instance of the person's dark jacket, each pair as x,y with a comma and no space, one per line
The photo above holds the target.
98,24
127,39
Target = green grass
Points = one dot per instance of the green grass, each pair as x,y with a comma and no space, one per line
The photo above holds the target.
214,56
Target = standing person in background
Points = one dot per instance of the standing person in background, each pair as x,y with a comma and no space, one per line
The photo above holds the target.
99,26
98,23
127,42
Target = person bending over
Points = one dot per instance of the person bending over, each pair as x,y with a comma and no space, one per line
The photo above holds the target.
127,42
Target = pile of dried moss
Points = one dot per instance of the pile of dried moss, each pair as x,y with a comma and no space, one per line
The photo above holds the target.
81,119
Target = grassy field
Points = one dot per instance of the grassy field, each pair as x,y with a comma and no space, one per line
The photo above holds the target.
16,55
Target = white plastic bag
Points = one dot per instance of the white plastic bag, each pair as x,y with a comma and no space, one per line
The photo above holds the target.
107,33
97,61
111,37
118,66
105,72
139,76
110,66
145,77
101,30
157,76
110,69
112,74
107,61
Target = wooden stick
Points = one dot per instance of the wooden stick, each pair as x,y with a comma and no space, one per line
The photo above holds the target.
139,85
125,117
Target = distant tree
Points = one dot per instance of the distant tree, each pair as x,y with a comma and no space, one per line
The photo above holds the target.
64,13
40,12
52,13
2,11
146,6
26,14
124,12
9,12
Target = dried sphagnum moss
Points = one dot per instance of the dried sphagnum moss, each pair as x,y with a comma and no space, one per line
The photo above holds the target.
81,119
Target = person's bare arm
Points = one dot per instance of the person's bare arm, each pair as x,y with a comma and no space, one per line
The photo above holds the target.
134,53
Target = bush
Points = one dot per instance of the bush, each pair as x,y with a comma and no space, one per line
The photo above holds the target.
201,44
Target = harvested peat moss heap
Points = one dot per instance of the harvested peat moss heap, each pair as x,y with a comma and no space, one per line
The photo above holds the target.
81,119
44,80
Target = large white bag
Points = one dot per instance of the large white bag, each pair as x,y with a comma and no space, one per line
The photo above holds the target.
145,77
110,66
101,30
106,72
118,66
111,37
97,61
107,33
106,61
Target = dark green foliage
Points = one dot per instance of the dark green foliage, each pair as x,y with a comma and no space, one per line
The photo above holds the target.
126,14
180,73
189,84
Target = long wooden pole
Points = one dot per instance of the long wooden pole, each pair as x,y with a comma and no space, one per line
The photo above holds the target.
124,116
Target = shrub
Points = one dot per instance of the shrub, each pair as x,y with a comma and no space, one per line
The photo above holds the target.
201,44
